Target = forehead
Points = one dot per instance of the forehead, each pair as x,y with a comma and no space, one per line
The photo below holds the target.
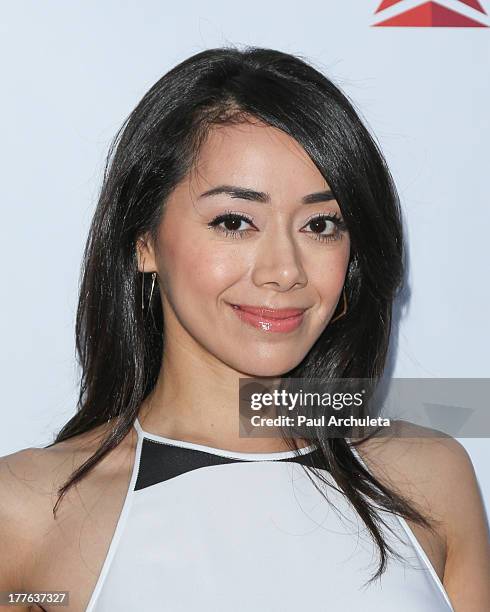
254,154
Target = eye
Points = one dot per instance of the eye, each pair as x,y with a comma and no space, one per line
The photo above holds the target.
326,227
231,224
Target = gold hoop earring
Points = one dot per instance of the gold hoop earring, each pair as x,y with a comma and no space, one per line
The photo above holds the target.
153,277
344,308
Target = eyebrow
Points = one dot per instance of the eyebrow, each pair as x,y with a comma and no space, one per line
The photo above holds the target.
260,196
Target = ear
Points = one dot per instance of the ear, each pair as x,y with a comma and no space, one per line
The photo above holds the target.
145,254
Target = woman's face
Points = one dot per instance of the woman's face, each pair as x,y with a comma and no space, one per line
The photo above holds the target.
273,250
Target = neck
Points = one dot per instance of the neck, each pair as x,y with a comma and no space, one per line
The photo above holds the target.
196,399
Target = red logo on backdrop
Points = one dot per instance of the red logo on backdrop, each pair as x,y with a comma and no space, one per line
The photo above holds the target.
432,15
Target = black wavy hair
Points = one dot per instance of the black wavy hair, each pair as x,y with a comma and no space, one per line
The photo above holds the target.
120,350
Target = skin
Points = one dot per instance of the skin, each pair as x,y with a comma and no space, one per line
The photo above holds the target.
207,349
279,262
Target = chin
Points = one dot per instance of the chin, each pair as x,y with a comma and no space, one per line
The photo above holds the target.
266,369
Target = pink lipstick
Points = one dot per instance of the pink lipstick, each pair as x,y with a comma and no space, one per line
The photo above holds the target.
270,319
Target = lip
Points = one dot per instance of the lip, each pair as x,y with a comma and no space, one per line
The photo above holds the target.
270,319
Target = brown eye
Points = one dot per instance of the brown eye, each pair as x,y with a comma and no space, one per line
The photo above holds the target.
318,226
326,227
231,224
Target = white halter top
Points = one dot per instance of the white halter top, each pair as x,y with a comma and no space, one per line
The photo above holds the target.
213,530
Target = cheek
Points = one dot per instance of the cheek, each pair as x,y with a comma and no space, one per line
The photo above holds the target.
193,267
329,279
327,275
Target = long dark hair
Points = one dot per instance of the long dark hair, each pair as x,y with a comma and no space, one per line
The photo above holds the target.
120,350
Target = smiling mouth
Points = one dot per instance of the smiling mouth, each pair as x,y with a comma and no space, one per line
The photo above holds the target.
270,313
270,319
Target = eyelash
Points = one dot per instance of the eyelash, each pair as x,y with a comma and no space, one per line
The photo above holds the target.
229,215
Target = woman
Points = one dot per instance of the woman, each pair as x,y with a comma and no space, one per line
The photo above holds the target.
247,227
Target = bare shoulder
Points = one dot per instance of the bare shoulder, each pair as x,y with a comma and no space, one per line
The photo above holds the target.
17,515
435,472
409,454
30,480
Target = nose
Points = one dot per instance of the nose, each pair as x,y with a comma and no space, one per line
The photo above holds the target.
278,263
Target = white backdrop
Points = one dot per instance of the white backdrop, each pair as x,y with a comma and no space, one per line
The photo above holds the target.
71,72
